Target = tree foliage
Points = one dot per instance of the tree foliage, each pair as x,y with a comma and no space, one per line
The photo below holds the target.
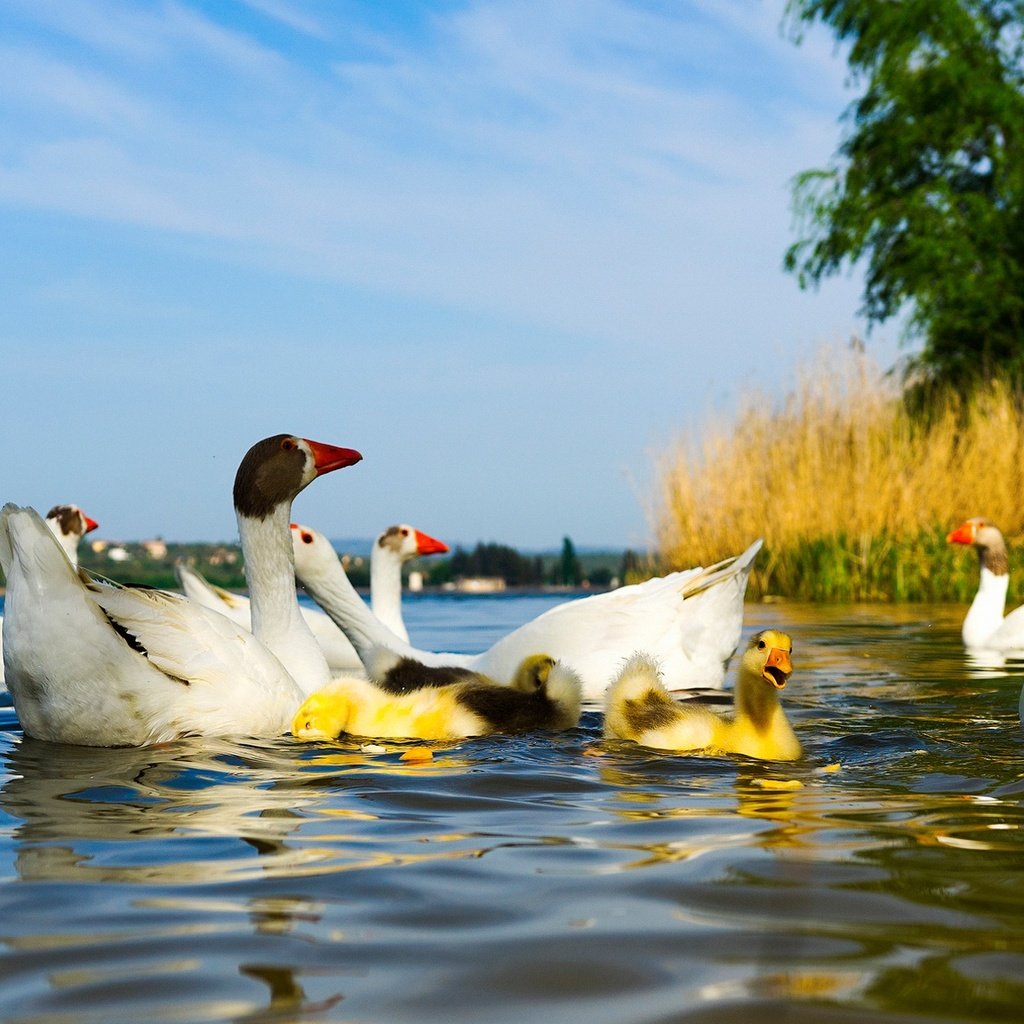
928,183
497,560
567,571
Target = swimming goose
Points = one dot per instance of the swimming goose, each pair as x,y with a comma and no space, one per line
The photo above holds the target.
639,708
391,550
99,665
985,628
543,694
69,524
689,620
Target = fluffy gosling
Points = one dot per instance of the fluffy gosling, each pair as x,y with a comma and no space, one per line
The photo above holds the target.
544,694
639,708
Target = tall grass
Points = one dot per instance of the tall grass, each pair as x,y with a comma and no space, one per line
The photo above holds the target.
852,496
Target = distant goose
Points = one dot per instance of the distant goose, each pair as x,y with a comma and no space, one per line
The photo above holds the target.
690,621
99,665
543,694
391,550
69,524
985,628
639,708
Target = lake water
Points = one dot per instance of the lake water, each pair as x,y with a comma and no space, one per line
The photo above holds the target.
543,877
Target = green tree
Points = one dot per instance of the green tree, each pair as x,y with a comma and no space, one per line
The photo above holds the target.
927,187
567,571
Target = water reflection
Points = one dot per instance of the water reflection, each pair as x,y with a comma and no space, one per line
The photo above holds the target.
234,811
879,877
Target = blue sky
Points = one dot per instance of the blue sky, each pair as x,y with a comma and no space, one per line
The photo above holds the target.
508,249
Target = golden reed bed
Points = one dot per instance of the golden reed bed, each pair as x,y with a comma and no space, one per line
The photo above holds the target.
852,496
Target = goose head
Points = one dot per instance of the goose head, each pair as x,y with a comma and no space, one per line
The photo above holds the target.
70,521
69,524
276,469
768,658
406,542
313,551
987,540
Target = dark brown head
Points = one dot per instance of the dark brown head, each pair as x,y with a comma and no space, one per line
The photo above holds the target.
71,520
275,469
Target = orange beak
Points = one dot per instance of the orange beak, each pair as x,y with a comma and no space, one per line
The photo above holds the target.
778,667
328,457
427,545
90,524
963,534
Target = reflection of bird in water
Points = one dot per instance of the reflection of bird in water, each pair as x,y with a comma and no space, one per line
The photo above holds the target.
286,994
639,708
75,796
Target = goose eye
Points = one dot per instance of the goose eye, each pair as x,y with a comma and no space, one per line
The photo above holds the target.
287,444
307,538
405,533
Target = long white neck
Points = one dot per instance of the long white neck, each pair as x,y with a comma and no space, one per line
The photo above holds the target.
386,588
68,541
328,585
986,612
276,619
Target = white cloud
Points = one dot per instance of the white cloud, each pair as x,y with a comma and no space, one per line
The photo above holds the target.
602,176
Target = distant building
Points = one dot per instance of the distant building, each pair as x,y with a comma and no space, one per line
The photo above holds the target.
155,548
478,585
118,554
223,556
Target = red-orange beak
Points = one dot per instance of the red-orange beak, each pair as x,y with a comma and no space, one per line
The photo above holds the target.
90,524
778,667
427,545
963,534
328,457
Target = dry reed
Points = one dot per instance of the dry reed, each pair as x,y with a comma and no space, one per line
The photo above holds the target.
852,496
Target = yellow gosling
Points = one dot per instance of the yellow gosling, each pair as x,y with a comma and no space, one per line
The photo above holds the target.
544,694
639,708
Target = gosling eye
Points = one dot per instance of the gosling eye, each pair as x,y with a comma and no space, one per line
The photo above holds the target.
761,645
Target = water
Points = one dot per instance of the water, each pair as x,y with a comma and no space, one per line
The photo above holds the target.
879,879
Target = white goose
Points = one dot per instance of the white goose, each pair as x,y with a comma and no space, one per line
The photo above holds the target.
689,621
985,628
94,664
392,549
69,524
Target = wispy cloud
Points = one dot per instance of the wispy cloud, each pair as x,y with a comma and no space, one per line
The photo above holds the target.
577,168
609,177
